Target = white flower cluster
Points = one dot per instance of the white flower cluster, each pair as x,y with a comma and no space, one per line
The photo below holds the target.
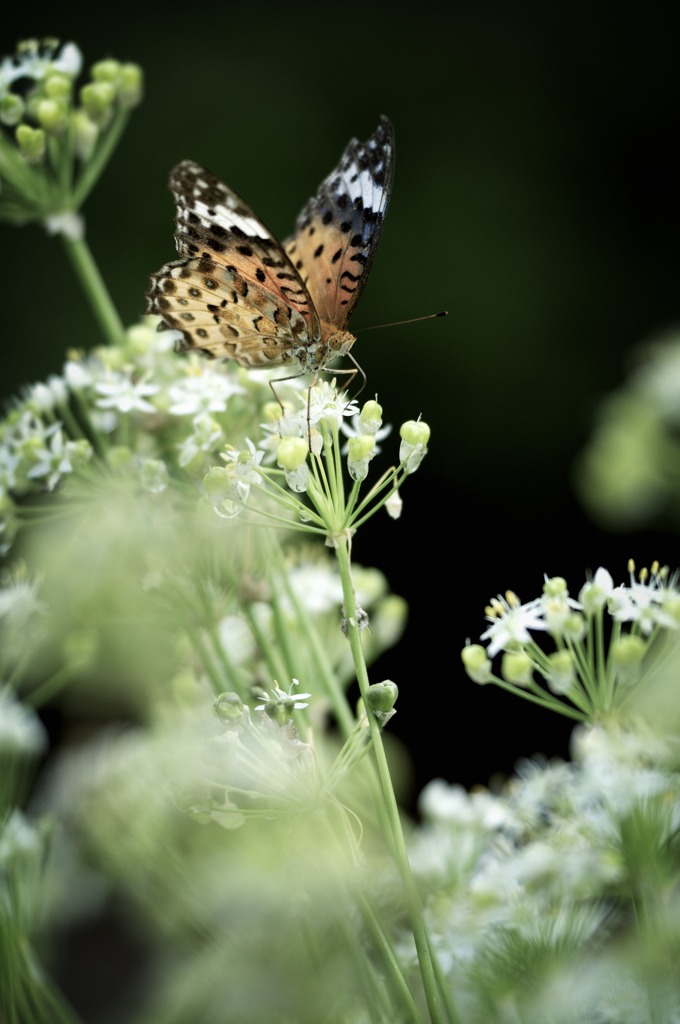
138,405
548,863
637,612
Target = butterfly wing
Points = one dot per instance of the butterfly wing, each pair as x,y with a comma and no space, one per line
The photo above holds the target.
234,292
338,230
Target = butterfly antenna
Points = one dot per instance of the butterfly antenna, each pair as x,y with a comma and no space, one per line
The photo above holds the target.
397,323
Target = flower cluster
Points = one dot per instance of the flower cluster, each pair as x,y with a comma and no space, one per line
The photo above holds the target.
52,146
561,869
139,410
306,443
593,668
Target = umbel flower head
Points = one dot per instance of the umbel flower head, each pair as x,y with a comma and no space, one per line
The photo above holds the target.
307,444
605,641
55,141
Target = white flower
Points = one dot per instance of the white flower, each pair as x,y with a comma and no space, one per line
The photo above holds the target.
357,428
77,374
69,224
511,622
236,638
121,393
205,438
317,587
394,505
53,460
645,601
441,801
276,694
327,403
207,391
244,464
43,397
596,592
35,59
557,605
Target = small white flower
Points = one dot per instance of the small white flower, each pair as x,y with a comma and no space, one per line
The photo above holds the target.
316,586
643,601
596,592
394,505
557,605
206,437
203,392
44,396
327,403
243,463
511,622
122,393
34,59
69,224
54,460
277,694
236,638
77,374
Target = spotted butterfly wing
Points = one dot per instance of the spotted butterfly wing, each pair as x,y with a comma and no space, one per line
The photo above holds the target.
236,292
338,230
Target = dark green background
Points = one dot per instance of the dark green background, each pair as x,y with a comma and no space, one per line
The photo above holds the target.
536,198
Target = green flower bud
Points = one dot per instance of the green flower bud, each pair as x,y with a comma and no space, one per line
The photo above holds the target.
98,99
415,432
52,115
670,605
130,85
228,707
106,71
58,86
414,437
627,651
361,447
11,109
31,142
556,586
226,495
216,481
281,710
85,135
476,663
119,458
574,627
370,417
291,452
517,668
271,411
381,697
562,672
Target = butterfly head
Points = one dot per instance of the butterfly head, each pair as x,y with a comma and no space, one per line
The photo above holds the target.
339,343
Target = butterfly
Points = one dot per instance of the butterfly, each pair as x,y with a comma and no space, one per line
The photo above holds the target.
238,293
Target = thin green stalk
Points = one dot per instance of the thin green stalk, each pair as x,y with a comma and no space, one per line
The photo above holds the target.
93,283
333,690
392,810
390,962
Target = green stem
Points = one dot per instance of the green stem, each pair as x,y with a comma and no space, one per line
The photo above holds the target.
93,284
390,963
398,843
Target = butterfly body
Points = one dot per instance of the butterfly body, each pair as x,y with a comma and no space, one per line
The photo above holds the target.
237,293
